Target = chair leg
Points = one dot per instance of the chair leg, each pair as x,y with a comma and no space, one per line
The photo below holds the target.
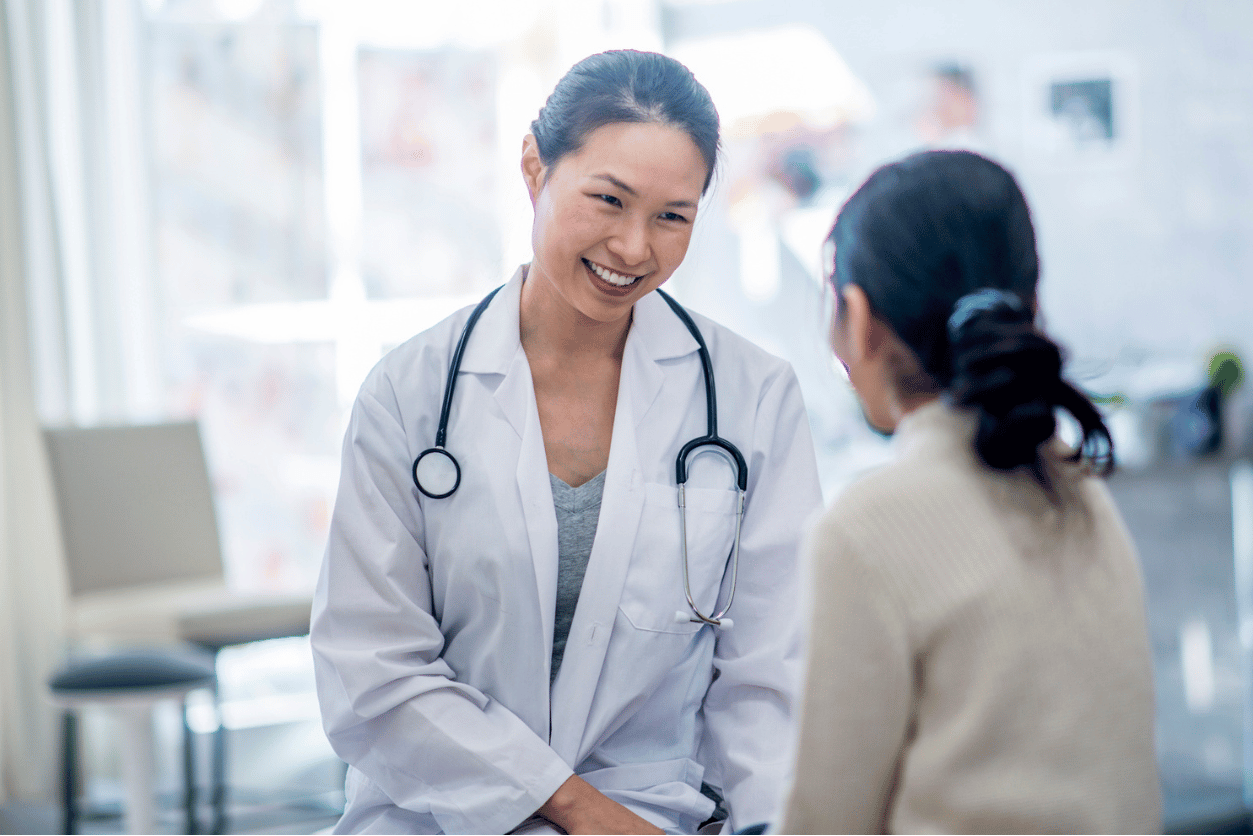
219,767
189,772
69,770
137,767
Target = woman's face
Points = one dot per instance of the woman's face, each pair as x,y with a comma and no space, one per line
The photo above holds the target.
613,219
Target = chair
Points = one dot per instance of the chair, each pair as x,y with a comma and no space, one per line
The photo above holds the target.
142,551
130,685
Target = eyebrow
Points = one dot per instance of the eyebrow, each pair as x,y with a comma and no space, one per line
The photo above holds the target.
686,204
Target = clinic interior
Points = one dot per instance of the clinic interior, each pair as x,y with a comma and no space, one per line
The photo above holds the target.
227,210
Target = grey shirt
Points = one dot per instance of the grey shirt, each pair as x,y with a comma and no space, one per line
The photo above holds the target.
578,510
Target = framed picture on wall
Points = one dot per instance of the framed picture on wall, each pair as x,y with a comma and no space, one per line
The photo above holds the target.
1081,108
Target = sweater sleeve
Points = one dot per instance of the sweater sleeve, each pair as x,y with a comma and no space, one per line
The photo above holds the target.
857,693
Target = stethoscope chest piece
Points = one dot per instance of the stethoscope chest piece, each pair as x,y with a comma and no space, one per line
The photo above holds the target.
436,472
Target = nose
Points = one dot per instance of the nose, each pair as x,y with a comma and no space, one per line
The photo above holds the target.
631,242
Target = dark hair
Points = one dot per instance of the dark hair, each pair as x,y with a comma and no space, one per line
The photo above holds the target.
942,244
626,86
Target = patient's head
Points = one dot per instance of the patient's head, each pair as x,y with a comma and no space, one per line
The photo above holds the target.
935,272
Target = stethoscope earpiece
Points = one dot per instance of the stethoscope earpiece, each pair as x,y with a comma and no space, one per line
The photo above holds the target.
436,472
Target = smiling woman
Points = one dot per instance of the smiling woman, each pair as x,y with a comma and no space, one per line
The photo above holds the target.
527,650
612,220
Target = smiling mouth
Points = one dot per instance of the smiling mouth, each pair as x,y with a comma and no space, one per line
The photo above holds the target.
615,279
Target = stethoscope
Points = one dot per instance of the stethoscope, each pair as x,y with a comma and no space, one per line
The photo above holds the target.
437,474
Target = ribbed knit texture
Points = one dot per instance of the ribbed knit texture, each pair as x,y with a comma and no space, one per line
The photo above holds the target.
578,514
979,658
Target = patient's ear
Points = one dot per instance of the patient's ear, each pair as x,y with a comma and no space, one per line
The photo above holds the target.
864,334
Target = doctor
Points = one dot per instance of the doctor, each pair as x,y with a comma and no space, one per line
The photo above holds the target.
524,651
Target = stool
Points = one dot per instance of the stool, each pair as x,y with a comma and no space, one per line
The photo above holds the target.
129,684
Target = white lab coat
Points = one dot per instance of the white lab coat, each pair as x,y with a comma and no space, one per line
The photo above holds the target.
433,619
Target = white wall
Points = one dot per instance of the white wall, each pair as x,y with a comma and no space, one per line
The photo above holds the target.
1149,260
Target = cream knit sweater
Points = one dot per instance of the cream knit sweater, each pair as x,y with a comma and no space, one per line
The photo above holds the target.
979,660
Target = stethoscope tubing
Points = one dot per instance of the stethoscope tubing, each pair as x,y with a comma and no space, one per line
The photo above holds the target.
450,384
733,558
441,432
710,439
711,406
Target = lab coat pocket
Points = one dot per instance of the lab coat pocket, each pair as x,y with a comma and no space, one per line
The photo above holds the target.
654,591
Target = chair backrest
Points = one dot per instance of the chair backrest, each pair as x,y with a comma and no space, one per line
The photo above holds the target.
135,504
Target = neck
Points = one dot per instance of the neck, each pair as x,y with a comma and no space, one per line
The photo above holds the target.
552,326
903,405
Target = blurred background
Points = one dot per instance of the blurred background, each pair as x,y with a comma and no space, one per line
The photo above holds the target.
228,210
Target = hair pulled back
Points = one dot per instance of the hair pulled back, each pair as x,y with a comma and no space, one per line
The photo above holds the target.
942,244
626,86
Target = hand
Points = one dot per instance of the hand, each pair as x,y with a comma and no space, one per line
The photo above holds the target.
578,807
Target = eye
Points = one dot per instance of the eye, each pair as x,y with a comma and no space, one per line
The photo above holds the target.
610,199
673,216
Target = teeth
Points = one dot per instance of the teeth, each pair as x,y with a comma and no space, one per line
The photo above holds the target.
609,275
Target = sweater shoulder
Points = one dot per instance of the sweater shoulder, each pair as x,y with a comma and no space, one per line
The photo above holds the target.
903,482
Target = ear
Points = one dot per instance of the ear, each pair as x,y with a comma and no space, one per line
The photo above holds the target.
865,337
533,169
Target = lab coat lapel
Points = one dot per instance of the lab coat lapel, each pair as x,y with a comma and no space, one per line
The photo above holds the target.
517,397
656,334
653,337
496,348
622,503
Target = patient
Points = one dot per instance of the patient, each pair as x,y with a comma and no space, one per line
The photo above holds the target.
979,660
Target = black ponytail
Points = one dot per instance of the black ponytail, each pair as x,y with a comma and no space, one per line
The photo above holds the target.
943,247
1011,375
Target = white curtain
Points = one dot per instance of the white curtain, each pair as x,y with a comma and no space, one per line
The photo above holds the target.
32,588
76,315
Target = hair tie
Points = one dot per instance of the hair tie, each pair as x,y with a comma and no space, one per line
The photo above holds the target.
980,301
